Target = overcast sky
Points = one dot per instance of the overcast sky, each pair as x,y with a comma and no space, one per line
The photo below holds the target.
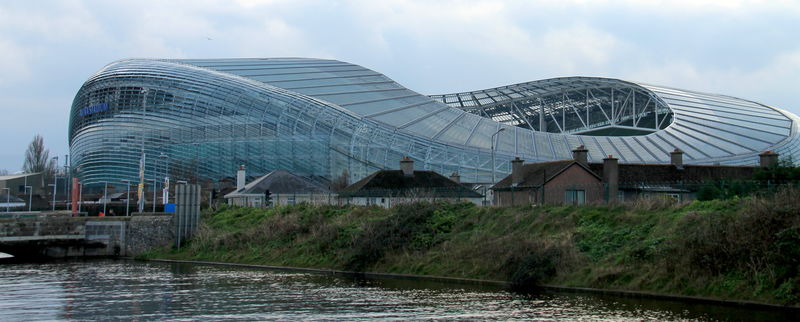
748,49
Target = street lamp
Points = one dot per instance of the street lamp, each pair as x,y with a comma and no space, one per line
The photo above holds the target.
127,198
165,195
142,160
495,133
8,198
30,197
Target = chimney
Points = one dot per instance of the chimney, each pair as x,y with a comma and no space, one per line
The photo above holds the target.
611,177
240,178
407,166
676,158
581,154
768,159
455,177
516,171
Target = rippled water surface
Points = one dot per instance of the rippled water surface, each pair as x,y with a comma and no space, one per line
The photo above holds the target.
81,290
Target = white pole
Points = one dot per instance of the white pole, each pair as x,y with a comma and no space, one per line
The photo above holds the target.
142,161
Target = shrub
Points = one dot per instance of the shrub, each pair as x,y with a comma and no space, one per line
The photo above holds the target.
530,266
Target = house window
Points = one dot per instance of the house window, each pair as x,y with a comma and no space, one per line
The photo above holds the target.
576,197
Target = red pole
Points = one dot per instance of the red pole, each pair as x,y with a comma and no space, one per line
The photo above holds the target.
75,190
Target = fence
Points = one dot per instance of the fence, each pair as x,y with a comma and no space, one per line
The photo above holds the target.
187,211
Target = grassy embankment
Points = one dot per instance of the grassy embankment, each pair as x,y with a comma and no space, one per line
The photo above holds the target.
743,249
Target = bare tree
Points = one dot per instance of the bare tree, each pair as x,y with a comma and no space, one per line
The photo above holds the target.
340,182
37,157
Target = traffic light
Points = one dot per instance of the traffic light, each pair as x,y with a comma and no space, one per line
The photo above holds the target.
267,198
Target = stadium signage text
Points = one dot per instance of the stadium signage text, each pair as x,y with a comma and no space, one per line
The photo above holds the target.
94,109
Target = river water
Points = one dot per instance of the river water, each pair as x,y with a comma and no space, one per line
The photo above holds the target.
130,290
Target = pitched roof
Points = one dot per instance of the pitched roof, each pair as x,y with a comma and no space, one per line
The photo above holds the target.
667,173
393,183
279,182
537,174
18,175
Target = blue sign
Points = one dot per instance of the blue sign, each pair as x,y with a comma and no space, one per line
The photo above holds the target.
170,207
94,109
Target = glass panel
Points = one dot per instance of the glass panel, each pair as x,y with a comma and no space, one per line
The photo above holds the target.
482,136
459,132
434,123
400,117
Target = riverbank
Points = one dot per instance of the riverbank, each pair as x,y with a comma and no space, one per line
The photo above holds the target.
742,249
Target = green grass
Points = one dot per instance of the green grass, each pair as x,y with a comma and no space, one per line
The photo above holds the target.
746,249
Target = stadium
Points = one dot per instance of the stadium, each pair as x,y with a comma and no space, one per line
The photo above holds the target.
198,120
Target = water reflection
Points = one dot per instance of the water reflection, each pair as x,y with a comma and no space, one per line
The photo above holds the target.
146,291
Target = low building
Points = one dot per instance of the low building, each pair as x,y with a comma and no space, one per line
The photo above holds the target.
283,188
16,183
388,188
567,181
576,181
8,201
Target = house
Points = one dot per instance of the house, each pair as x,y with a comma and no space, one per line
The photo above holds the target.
577,181
568,181
17,183
388,188
283,188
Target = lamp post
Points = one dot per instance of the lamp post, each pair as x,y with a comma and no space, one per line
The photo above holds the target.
30,197
493,135
127,198
8,198
142,160
155,184
165,195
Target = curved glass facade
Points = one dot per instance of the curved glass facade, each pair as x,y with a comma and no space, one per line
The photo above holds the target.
198,120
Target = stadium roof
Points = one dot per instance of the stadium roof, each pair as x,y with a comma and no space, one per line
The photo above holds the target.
545,119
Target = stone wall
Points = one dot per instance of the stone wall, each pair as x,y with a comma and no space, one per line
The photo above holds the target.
149,232
42,226
66,236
